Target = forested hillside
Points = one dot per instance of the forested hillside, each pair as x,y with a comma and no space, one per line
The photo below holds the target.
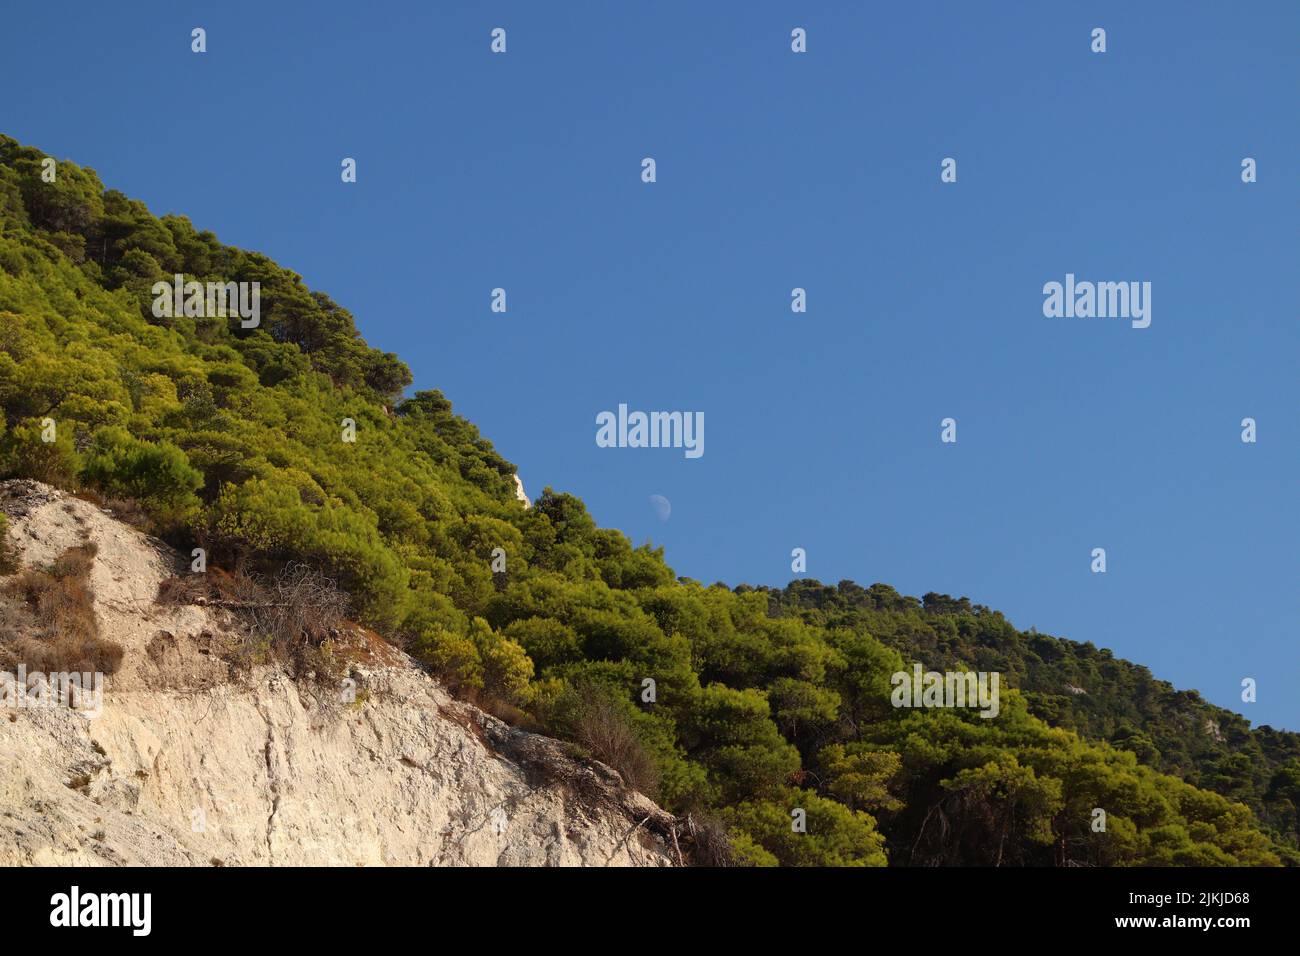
764,702
1076,686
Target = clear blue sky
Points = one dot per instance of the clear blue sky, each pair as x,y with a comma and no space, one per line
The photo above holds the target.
778,170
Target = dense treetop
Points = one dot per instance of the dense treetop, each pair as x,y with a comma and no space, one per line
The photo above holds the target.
765,701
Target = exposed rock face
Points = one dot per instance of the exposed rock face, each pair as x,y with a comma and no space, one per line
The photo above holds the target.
520,494
186,764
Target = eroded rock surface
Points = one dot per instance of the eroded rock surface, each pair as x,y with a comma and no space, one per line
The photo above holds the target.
189,763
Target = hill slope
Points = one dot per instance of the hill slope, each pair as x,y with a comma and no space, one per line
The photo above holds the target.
1076,686
236,440
187,763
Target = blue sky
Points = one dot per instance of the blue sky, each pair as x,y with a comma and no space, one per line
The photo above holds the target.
778,170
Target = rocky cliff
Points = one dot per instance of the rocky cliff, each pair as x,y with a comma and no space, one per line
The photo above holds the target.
192,762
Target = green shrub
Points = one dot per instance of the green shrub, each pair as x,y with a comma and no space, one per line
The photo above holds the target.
158,476
42,450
